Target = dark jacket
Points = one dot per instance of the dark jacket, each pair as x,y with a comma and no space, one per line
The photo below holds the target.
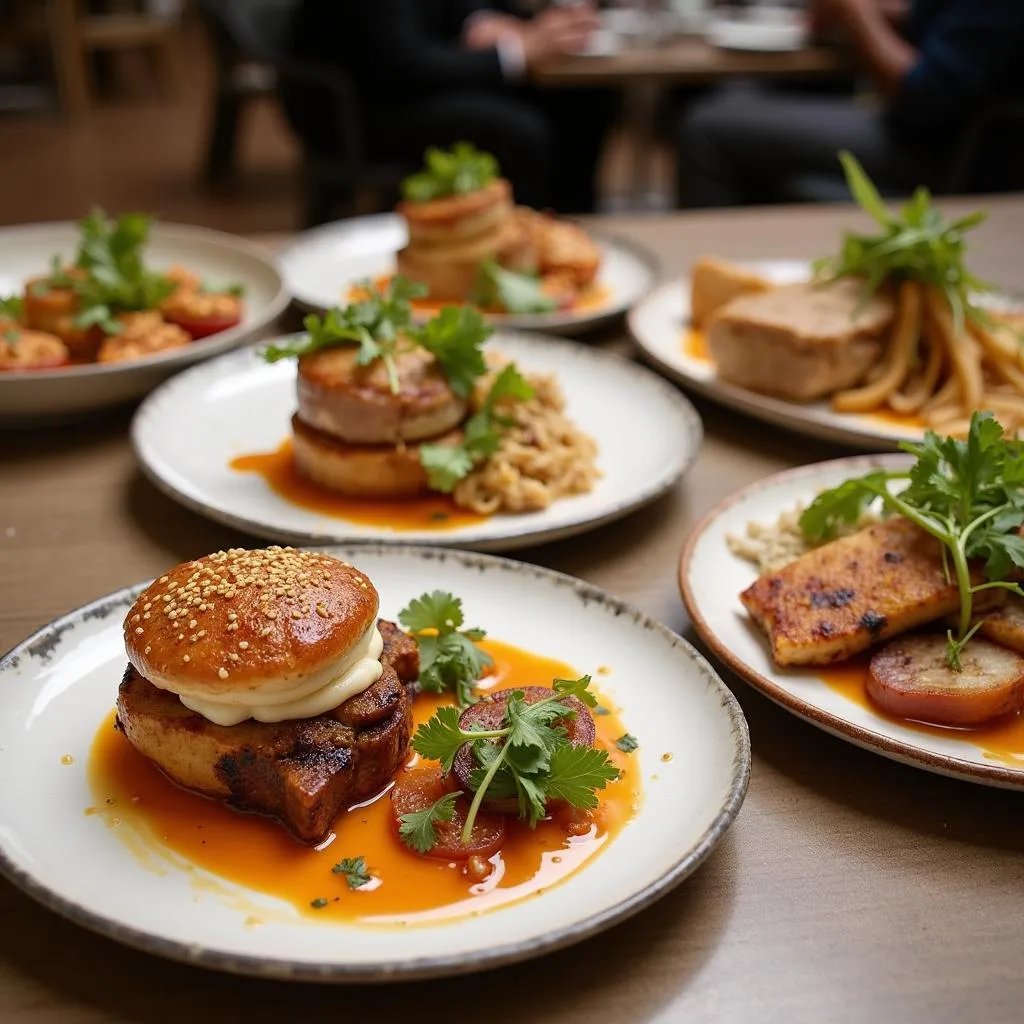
971,53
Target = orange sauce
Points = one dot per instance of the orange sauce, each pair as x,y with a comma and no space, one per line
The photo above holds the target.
593,297
259,854
695,346
1002,740
429,512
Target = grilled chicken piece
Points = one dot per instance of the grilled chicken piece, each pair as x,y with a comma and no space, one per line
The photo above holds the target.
30,350
1006,625
715,282
356,404
801,341
302,772
843,597
563,249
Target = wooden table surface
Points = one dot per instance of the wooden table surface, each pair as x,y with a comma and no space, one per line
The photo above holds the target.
691,61
849,889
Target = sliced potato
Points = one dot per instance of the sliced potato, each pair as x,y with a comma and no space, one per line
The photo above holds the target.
912,679
1006,626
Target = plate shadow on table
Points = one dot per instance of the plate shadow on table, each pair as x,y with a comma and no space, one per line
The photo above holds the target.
870,784
661,950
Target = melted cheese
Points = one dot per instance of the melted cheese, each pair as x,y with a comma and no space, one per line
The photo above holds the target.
311,695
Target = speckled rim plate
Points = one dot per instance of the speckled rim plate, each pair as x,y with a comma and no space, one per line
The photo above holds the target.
711,579
322,264
25,250
658,324
57,686
185,434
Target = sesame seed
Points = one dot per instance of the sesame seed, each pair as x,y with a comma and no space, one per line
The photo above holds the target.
186,658
233,656
192,624
244,645
295,615
201,632
138,630
148,648
223,673
135,618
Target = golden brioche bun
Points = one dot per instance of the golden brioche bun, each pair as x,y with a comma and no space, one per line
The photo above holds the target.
361,471
242,620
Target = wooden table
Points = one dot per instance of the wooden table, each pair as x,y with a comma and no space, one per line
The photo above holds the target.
692,61
850,888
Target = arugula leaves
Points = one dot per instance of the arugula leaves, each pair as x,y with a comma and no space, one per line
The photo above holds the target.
447,464
918,243
452,172
355,871
513,292
12,308
116,279
967,494
529,757
416,829
449,656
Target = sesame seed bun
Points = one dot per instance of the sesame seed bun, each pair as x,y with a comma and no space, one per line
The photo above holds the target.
243,620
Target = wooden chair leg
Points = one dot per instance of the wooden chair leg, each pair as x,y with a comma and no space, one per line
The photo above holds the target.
69,58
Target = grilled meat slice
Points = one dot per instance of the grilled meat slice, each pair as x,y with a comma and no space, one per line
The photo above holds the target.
1006,625
302,772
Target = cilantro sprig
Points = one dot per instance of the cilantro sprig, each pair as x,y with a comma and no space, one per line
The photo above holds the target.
355,871
528,758
511,291
967,494
447,464
452,172
12,308
917,243
416,829
115,278
449,656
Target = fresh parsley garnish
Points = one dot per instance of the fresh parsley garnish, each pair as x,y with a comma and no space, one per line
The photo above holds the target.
511,291
319,903
447,464
967,494
452,172
528,758
233,288
12,308
627,743
416,829
116,279
449,656
355,871
916,244
455,339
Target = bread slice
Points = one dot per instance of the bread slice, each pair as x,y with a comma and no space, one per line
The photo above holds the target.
715,282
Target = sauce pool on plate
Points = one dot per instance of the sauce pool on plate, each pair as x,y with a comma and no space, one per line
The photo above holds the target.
405,888
430,512
1001,740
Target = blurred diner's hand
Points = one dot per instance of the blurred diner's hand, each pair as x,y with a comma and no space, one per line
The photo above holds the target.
557,31
489,28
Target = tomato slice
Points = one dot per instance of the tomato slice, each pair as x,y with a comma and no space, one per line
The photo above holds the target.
204,326
416,789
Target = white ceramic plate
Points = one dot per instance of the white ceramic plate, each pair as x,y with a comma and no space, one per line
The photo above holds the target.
322,265
186,433
659,325
711,579
57,687
37,395
759,30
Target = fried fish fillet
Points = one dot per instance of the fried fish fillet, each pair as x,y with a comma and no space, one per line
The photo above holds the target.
843,597
302,772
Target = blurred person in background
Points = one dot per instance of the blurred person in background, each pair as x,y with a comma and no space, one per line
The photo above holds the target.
932,65
435,72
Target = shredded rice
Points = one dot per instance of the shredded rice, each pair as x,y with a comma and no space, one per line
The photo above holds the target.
543,456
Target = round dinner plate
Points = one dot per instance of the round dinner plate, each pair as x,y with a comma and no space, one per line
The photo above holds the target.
33,396
659,325
322,265
57,687
187,432
712,578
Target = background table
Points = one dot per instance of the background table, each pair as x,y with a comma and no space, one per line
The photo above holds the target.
849,889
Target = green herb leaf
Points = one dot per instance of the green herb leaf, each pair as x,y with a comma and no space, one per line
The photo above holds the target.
319,903
355,871
446,465
449,657
452,172
578,773
12,308
511,291
11,335
627,743
455,338
578,688
440,737
98,316
416,829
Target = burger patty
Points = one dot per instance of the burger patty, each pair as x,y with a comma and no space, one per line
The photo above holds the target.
302,772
